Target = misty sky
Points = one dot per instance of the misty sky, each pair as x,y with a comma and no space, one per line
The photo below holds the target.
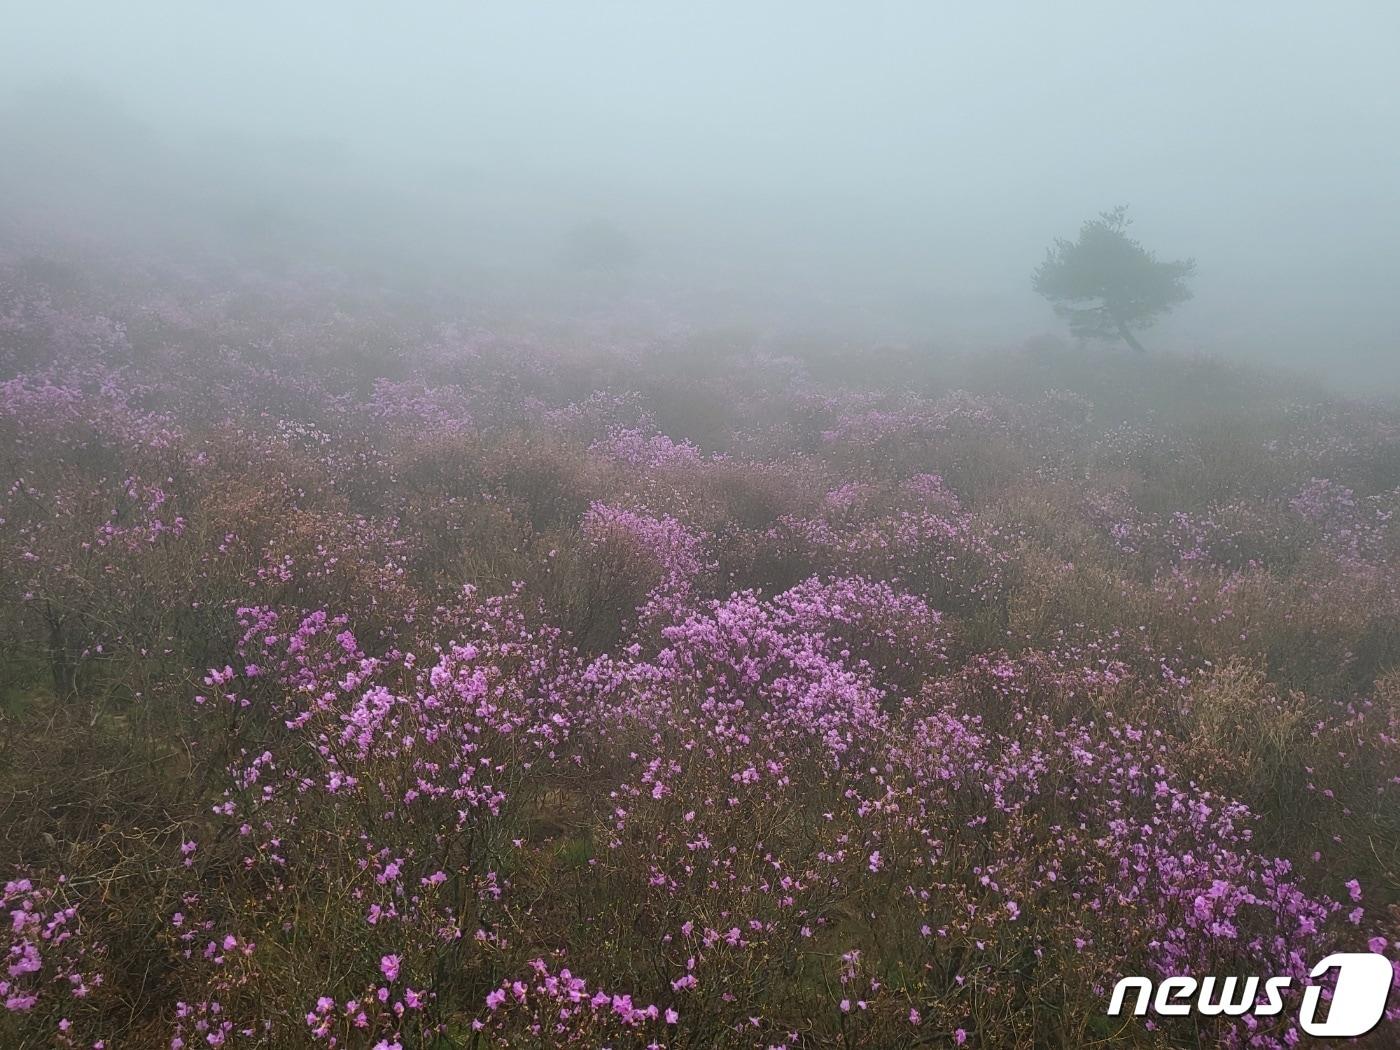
893,166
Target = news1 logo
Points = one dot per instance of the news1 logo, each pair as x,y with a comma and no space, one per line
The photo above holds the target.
1363,985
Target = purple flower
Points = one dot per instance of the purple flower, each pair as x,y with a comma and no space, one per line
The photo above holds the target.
389,967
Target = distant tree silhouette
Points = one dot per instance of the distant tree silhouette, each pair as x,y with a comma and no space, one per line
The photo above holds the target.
1106,284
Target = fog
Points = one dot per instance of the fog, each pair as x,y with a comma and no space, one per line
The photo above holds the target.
887,171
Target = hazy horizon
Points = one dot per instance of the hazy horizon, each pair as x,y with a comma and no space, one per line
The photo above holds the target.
893,172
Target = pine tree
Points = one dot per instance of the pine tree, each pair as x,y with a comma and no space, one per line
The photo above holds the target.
1106,284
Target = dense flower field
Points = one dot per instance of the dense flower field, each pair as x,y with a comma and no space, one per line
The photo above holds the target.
373,680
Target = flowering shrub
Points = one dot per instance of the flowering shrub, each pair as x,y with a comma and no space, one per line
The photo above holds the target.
53,967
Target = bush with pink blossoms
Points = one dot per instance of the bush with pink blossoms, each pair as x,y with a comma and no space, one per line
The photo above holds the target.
53,980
